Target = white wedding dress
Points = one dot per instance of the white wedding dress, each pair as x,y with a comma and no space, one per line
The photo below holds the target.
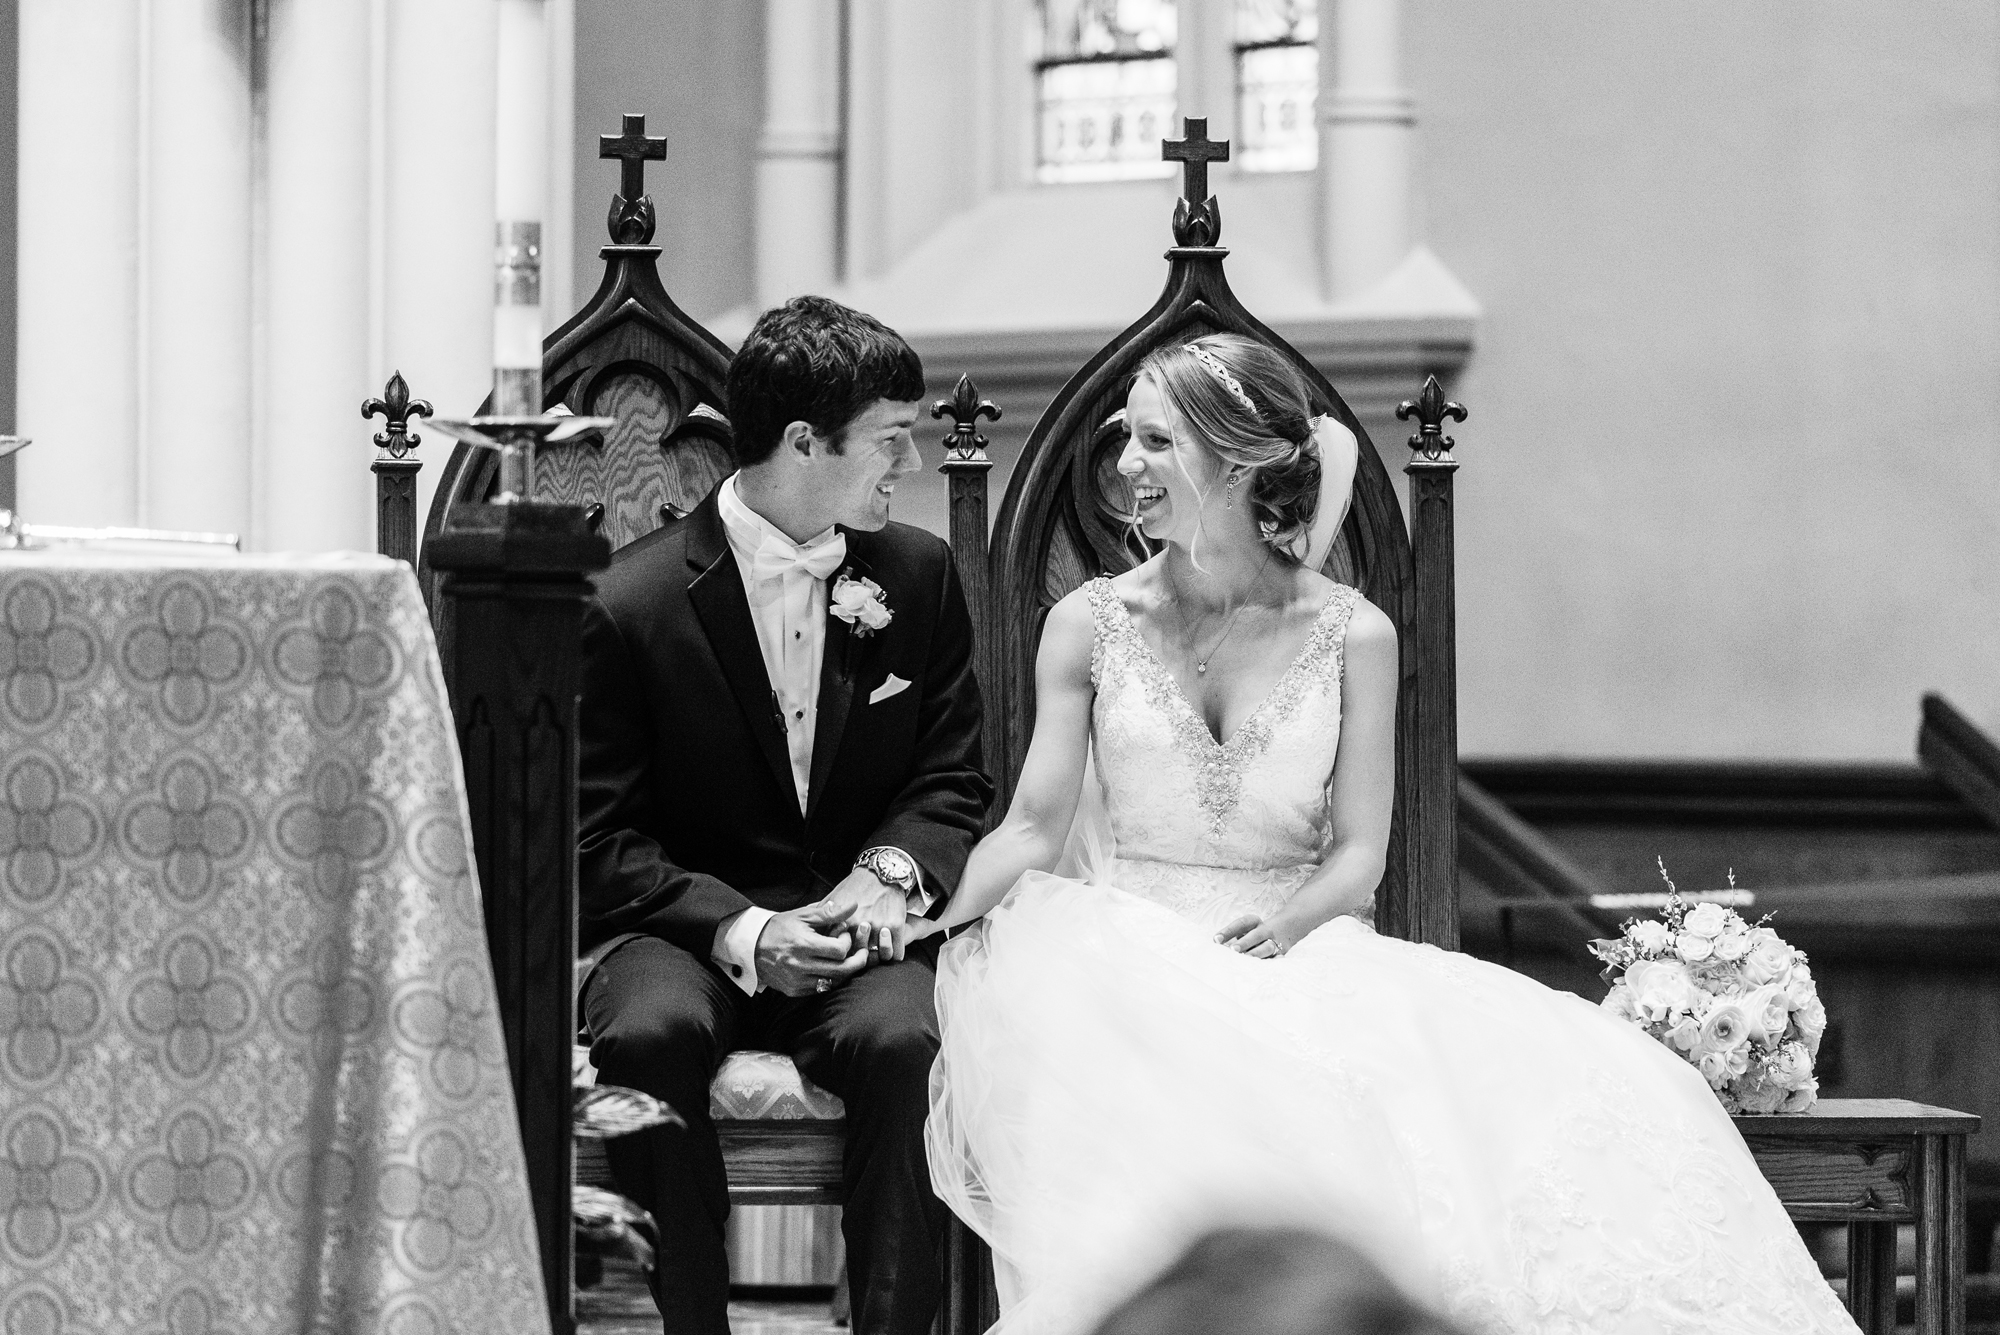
1112,1082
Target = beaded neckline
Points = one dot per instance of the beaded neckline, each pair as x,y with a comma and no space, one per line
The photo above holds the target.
1219,765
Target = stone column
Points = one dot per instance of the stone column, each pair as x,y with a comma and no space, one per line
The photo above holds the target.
195,266
434,274
1367,125
558,217
77,378
320,231
798,169
263,225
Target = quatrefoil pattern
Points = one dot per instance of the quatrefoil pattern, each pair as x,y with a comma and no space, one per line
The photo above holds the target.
188,827
251,1068
44,1008
190,1181
187,652
335,830
335,656
41,651
439,1206
455,1024
192,1007
46,1186
43,831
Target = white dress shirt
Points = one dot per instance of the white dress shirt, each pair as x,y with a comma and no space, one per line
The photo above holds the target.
789,612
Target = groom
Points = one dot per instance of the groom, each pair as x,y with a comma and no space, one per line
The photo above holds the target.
780,762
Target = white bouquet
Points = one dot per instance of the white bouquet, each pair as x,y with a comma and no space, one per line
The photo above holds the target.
1729,996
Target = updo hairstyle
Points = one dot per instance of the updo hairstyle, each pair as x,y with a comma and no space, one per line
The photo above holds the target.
1270,435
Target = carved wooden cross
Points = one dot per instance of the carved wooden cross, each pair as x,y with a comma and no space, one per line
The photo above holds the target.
1194,153
634,149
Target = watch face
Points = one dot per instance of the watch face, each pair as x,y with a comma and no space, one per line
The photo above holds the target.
893,865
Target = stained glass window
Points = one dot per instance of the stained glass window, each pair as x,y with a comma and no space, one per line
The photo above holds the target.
1105,84
1277,84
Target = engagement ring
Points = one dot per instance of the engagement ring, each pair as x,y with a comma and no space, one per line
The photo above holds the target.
822,985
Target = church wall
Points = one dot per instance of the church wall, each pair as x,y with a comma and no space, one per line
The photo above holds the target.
695,68
10,48
1729,481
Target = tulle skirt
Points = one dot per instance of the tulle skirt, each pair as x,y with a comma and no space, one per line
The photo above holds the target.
1112,1083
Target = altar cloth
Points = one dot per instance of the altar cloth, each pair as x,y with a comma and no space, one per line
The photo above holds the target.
251,1070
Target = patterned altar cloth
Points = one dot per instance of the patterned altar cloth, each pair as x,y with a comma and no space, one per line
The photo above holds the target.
251,1071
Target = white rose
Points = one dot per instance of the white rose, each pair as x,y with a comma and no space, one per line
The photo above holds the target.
1685,1034
1801,1098
1732,946
1799,988
1768,1012
1769,960
1707,920
1725,1029
1714,1068
1790,1067
1660,988
1650,936
860,600
1811,1019
1694,949
1760,1096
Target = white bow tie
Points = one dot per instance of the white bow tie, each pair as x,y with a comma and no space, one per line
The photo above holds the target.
776,559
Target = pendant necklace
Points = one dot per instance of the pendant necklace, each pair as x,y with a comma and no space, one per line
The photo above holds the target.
1201,662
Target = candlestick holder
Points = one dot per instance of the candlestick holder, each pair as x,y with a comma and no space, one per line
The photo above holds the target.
518,440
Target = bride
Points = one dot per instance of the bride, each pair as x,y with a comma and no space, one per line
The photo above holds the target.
1193,1025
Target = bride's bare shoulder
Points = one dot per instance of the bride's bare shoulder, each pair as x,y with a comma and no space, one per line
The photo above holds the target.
1067,635
1371,636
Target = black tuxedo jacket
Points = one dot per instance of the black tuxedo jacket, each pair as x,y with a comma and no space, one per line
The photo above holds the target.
687,808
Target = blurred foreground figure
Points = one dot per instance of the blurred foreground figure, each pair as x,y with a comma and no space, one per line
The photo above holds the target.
1272,1282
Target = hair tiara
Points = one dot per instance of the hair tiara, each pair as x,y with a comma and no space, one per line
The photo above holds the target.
1221,372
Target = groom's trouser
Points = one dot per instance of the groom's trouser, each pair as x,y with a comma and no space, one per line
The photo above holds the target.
661,1021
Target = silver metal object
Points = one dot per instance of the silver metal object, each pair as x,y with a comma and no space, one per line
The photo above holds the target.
17,534
517,439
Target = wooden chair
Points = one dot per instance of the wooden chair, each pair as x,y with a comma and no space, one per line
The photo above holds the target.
1061,523
633,355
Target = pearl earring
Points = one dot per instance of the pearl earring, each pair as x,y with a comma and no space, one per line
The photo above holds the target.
1229,493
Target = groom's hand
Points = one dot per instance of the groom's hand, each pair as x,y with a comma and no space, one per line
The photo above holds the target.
806,951
878,911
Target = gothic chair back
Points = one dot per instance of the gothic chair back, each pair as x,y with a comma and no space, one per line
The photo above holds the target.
1062,522
629,354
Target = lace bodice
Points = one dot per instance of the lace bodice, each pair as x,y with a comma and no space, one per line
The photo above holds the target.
1255,804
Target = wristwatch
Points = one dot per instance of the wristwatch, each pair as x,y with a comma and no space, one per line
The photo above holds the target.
892,867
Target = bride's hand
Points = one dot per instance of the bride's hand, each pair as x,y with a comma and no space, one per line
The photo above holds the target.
916,929
1251,935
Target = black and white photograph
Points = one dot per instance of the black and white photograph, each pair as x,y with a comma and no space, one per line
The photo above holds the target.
1048,667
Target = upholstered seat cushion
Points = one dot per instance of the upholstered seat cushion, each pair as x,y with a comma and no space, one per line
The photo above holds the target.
751,1087
766,1086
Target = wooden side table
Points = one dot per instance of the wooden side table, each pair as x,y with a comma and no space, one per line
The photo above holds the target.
1873,1164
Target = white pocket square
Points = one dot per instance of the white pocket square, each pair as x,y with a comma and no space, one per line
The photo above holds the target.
894,685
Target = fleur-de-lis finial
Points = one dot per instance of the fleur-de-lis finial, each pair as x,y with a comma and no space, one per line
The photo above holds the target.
397,408
965,408
1431,409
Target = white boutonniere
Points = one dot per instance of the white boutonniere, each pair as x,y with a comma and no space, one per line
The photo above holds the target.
861,603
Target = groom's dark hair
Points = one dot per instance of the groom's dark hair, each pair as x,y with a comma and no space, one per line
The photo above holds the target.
816,361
